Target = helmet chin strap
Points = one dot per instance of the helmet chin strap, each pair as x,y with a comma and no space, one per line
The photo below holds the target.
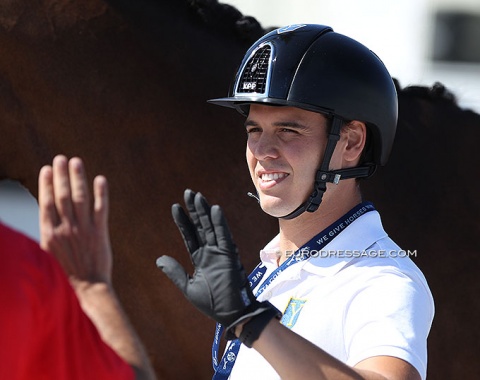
323,175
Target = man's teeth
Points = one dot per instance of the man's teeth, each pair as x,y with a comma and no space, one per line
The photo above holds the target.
272,176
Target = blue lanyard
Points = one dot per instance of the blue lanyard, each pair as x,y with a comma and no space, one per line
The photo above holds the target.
317,243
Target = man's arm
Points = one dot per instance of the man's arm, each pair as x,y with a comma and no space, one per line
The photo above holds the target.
294,357
78,237
216,289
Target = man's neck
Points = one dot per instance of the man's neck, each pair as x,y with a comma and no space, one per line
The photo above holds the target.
296,232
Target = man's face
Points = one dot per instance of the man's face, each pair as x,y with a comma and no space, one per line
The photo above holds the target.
284,150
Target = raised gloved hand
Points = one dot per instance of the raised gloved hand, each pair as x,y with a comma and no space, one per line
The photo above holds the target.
219,286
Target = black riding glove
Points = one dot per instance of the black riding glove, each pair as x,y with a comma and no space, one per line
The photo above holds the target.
219,286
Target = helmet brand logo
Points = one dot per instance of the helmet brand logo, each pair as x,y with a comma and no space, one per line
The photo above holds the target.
290,28
249,85
253,77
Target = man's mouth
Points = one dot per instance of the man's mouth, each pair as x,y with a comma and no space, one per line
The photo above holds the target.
265,177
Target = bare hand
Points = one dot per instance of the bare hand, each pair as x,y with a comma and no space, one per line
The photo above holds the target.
72,229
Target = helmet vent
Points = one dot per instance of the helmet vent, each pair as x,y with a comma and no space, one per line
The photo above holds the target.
254,78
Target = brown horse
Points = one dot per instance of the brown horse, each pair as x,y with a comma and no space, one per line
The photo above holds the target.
123,84
428,196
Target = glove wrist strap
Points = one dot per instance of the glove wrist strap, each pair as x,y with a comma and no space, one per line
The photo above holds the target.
254,327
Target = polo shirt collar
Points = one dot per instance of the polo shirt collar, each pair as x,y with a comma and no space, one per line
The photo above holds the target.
357,237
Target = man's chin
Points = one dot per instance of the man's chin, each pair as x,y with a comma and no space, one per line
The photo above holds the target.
276,208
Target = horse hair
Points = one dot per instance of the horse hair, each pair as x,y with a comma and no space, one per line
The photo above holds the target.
211,12
437,92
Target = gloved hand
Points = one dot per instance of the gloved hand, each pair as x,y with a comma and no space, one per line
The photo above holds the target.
219,286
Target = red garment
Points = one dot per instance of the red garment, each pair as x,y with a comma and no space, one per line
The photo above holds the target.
44,333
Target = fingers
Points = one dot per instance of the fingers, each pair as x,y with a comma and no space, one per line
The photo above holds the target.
203,213
61,188
64,198
101,203
199,211
186,227
189,198
206,223
65,184
222,232
48,216
79,199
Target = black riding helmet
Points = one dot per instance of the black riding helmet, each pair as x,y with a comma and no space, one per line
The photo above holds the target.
313,68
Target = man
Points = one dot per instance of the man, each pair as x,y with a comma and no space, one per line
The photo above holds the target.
59,327
321,112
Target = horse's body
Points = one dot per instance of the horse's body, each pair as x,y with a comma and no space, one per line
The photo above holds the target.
126,90
123,84
428,198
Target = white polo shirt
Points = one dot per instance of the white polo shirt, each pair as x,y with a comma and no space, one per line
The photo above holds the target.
359,297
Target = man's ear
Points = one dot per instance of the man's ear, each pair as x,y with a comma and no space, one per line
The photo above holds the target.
356,135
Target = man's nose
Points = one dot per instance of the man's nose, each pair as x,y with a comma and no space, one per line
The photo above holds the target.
265,147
